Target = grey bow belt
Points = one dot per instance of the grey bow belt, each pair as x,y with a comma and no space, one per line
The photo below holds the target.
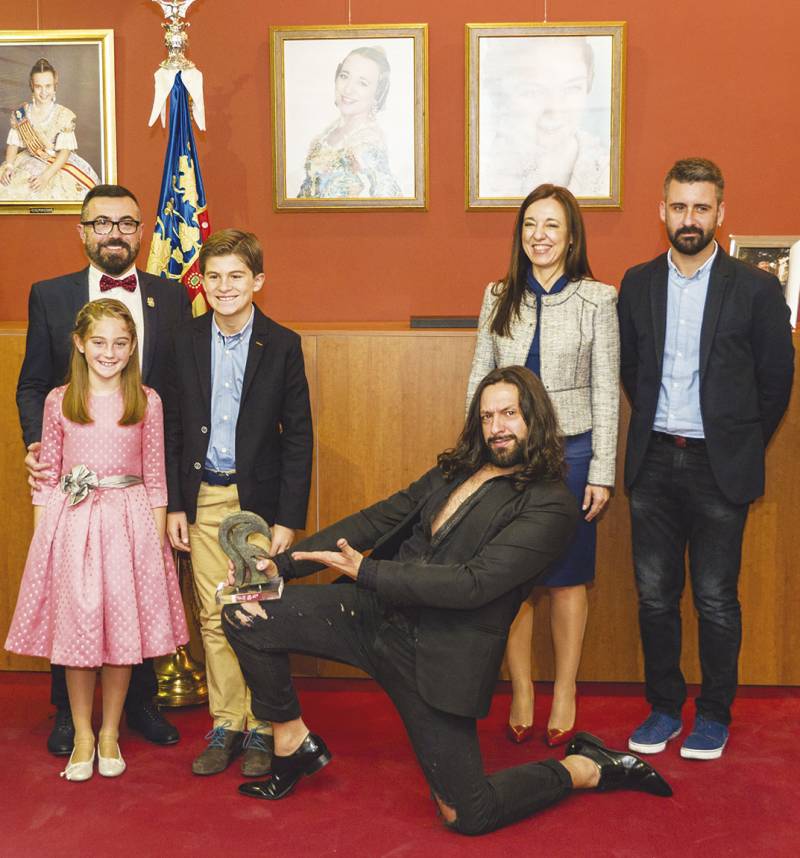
81,480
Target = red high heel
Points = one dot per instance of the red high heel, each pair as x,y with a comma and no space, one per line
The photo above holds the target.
554,736
518,734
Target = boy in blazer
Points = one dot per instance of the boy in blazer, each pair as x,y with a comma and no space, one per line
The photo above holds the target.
707,363
111,233
238,437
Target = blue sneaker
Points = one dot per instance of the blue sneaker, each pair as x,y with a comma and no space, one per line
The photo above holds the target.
706,741
652,736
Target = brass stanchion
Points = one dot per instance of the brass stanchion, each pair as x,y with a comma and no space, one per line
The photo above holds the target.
181,679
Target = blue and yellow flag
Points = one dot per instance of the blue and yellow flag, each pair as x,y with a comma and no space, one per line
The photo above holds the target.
182,223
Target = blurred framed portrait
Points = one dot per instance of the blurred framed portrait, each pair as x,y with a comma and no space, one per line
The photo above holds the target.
350,116
545,103
777,254
56,118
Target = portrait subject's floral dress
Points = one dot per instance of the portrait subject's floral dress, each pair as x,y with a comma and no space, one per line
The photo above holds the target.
357,166
99,585
39,141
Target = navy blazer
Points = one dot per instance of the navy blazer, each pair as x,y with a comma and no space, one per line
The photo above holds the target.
746,366
469,589
274,439
52,308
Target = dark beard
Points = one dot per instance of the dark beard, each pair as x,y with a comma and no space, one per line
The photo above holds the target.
115,264
507,458
690,241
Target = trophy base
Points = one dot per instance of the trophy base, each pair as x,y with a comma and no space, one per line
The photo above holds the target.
264,592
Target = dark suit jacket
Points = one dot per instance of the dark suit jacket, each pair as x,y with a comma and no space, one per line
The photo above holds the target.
52,308
468,590
746,366
274,441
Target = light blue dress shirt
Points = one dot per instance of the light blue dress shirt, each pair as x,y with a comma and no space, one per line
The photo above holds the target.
228,361
678,411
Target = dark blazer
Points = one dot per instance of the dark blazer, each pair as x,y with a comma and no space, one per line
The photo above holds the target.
52,308
468,589
274,440
746,366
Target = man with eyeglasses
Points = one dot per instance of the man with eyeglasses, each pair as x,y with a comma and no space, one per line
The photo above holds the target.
111,231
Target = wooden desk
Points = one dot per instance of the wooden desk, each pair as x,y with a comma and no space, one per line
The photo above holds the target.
386,400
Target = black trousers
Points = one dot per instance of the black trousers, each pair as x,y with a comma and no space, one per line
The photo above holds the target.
676,502
348,624
142,688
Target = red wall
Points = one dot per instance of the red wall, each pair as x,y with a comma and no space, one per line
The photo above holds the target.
716,78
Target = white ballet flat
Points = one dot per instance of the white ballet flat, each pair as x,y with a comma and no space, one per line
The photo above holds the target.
78,771
110,767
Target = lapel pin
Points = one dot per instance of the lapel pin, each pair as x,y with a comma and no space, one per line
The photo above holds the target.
259,343
151,302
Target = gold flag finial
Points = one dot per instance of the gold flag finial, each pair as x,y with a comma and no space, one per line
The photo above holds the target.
175,36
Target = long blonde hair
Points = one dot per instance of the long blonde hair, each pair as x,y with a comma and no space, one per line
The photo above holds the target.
76,397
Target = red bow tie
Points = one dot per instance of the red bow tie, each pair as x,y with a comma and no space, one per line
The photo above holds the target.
128,283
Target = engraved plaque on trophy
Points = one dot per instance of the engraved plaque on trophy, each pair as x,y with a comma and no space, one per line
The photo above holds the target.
250,584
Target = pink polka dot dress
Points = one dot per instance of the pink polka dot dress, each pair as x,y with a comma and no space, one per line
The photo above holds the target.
99,587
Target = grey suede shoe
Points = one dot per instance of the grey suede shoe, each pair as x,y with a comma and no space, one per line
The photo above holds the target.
223,746
257,758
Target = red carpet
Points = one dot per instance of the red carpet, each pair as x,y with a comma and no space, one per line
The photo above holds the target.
372,800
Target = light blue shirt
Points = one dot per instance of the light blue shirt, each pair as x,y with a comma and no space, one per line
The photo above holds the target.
678,410
228,361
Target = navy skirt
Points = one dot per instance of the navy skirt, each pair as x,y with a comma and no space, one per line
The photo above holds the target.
577,564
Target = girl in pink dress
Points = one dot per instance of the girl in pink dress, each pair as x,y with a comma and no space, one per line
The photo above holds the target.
99,587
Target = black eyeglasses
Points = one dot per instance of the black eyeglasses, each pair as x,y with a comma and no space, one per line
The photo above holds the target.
104,225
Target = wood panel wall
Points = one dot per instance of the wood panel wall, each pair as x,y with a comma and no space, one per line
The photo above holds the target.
386,400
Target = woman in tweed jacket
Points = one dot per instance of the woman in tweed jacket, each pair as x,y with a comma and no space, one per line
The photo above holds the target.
549,314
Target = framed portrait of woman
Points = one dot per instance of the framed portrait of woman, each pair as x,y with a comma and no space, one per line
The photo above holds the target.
544,104
350,116
56,118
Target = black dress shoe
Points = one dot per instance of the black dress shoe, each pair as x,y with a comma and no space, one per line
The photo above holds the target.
145,718
619,769
310,757
62,736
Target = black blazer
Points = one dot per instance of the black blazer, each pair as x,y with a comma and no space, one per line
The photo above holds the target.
274,440
468,590
746,366
52,308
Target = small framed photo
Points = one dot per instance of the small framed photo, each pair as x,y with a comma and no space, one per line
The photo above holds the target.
545,104
350,116
56,118
778,254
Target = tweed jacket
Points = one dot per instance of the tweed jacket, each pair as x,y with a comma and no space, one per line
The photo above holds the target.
579,346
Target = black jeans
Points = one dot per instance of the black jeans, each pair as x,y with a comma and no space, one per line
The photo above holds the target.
142,688
348,624
675,501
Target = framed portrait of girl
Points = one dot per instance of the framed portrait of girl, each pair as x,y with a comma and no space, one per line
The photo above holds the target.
57,128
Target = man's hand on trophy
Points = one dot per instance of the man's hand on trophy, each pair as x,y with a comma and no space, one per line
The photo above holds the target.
346,560
264,565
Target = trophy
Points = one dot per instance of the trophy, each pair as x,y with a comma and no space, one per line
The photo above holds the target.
250,583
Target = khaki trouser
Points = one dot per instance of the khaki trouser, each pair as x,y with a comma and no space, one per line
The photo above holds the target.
228,695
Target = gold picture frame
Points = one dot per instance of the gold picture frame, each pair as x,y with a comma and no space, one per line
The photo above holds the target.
84,66
773,253
350,117
545,103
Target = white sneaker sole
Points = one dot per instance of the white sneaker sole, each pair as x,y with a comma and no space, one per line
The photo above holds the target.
640,748
697,754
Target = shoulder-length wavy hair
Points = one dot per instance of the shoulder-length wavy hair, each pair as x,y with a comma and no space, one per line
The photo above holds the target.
543,452
511,288
75,406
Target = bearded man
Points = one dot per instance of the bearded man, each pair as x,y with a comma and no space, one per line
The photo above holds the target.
707,363
111,232
427,613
